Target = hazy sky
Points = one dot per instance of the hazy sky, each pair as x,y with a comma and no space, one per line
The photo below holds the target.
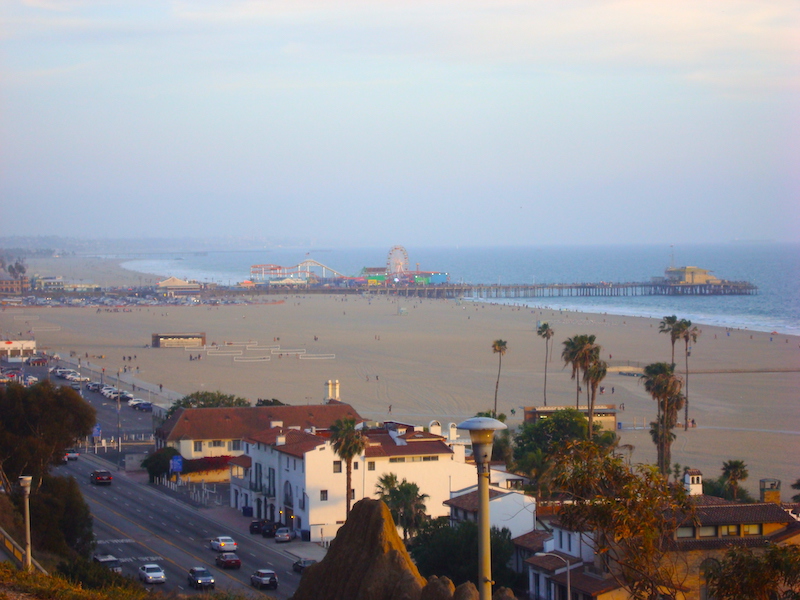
422,122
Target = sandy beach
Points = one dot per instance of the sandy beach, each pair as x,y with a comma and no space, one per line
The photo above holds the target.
434,360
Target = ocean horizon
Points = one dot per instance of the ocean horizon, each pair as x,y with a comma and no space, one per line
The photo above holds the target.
774,268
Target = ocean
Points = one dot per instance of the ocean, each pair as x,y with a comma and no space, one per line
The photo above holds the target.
774,268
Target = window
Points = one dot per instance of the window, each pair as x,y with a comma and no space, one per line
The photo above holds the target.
706,531
236,445
429,458
397,459
355,466
352,494
569,542
728,530
751,529
337,466
217,444
371,465
685,532
323,495
198,446
560,538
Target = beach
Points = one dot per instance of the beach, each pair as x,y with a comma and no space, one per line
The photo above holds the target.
432,359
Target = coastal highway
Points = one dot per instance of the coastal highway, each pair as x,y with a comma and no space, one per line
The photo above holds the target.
138,525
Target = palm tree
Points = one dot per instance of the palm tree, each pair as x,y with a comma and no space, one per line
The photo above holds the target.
386,483
579,351
664,386
669,325
498,347
689,333
348,442
545,332
411,507
734,471
796,486
593,375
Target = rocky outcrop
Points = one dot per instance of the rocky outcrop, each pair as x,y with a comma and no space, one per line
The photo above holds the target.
368,561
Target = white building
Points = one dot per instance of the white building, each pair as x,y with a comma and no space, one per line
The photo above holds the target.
295,477
507,508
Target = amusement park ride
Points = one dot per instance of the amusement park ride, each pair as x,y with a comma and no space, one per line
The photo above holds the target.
311,272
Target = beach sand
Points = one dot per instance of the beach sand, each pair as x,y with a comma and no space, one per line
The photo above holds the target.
82,269
434,360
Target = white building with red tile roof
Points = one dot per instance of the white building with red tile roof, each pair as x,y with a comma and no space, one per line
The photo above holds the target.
296,477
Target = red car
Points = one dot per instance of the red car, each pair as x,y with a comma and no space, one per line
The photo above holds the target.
228,560
100,478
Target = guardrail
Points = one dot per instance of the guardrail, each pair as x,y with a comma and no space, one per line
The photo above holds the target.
16,552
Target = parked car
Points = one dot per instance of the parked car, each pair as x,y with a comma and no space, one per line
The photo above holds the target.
300,565
268,530
144,406
223,543
100,478
109,561
93,386
228,560
257,525
152,573
72,454
264,578
126,396
200,578
284,534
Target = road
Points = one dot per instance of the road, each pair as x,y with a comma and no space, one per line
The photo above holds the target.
138,524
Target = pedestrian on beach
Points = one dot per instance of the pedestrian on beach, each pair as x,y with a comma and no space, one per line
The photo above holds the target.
612,390
160,388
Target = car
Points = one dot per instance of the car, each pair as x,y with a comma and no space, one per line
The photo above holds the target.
223,543
75,385
144,406
126,396
284,534
37,361
264,578
72,454
108,390
134,401
93,386
100,478
152,573
200,578
228,560
257,525
300,565
269,528
109,561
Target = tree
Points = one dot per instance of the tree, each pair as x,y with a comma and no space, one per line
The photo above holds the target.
746,574
265,402
719,487
446,551
37,425
796,486
499,347
689,333
734,471
670,326
545,332
60,518
207,400
632,513
579,352
158,463
594,374
664,386
348,442
410,505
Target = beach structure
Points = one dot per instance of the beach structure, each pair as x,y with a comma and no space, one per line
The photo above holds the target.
172,286
719,525
604,414
294,475
178,340
17,350
14,286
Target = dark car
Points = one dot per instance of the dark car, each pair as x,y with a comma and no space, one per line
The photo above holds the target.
269,528
100,478
257,525
264,578
144,406
300,565
228,560
200,578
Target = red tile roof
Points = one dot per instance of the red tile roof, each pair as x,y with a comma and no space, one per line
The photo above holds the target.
533,540
586,583
469,501
735,514
241,461
239,422
551,563
383,444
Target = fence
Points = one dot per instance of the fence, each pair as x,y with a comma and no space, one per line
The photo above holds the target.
16,552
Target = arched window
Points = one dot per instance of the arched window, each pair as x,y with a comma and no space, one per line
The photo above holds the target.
704,566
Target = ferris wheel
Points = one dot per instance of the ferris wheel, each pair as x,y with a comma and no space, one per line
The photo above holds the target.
397,261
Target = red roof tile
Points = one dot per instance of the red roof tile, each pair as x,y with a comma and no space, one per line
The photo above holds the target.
469,501
551,563
239,422
383,444
533,540
586,583
241,461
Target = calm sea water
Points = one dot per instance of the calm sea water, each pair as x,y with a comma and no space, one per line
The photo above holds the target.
774,268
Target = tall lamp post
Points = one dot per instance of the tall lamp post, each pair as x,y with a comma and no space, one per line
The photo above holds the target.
566,562
25,483
481,432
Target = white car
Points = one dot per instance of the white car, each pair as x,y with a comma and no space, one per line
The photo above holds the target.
223,543
108,390
133,402
152,573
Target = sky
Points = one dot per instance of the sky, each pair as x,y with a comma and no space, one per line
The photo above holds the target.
422,122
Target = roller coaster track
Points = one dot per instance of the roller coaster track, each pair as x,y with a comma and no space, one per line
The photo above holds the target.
308,269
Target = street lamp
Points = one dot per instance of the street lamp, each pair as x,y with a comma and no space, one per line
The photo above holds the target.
566,562
481,432
25,484
119,441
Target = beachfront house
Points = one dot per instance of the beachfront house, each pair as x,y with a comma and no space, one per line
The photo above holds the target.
209,432
719,525
295,477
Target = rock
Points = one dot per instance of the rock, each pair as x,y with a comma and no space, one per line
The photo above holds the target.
438,588
503,593
366,561
466,591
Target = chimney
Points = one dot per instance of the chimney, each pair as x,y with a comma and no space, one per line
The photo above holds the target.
770,490
331,390
280,440
693,482
336,390
275,424
435,428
